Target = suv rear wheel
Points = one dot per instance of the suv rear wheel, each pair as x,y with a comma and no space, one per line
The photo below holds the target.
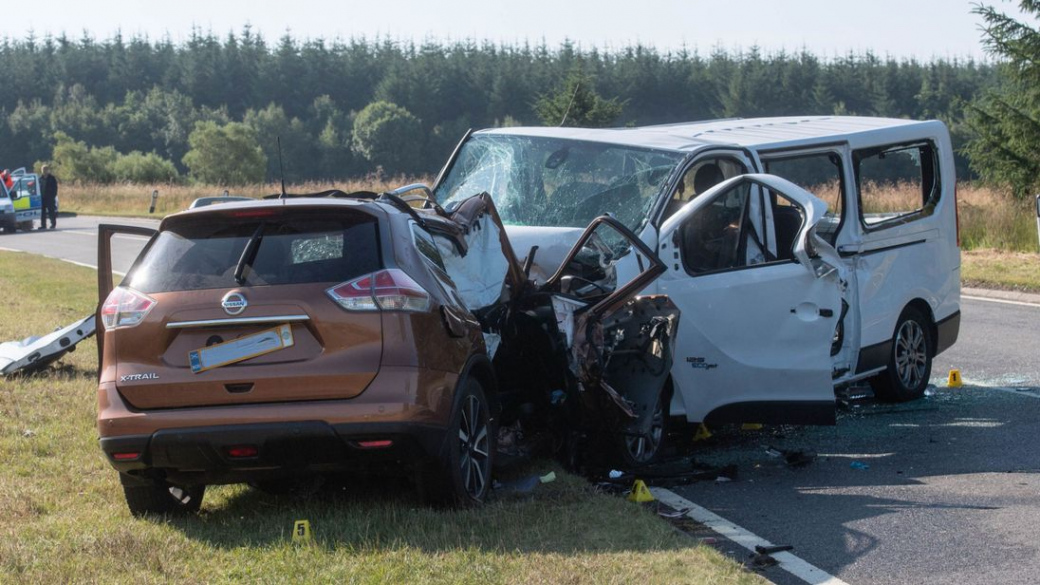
463,475
910,363
162,498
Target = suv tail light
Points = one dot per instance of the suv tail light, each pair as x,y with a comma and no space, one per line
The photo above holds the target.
125,308
386,290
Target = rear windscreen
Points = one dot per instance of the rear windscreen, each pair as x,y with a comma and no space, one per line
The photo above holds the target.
205,252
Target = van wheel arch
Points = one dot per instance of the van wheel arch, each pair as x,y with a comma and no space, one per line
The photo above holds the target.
926,310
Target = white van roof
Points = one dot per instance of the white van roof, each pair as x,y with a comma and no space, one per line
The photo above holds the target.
764,133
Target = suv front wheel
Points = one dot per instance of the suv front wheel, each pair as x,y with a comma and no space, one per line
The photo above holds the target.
463,475
161,498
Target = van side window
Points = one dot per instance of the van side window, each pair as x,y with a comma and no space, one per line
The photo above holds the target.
822,175
896,183
736,230
703,175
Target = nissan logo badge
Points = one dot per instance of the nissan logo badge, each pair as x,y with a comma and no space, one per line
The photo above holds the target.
234,303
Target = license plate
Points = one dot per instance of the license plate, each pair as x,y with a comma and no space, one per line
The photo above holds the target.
241,349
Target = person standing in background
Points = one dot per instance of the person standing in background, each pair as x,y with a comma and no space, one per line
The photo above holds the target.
50,198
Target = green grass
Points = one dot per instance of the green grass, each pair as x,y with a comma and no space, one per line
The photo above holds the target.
63,519
1003,270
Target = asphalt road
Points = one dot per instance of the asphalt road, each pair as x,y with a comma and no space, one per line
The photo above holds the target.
951,492
75,240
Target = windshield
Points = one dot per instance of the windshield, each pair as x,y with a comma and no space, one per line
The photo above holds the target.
539,181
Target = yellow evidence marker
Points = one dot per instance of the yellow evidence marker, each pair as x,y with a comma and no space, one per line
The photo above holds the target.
301,531
955,379
640,493
702,433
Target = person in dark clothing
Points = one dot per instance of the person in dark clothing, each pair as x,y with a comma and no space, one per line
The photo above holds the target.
50,198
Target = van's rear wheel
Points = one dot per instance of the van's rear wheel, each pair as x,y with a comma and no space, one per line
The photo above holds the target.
910,363
463,476
161,498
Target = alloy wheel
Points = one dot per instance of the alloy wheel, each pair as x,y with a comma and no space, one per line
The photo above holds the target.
911,354
474,446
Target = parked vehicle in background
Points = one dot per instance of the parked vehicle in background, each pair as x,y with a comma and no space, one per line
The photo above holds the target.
845,269
27,198
8,216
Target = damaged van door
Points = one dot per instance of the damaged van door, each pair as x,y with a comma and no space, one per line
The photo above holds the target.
762,298
579,354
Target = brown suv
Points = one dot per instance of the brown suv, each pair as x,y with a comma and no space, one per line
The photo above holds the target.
265,341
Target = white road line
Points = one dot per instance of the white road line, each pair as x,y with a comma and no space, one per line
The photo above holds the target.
83,264
1001,301
787,561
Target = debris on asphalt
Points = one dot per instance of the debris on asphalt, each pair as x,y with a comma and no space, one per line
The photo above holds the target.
760,561
723,479
794,458
768,550
859,465
930,390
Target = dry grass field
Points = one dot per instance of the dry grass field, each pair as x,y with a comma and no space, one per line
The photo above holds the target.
998,232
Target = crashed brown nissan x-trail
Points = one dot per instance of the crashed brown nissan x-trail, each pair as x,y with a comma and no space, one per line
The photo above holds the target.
264,342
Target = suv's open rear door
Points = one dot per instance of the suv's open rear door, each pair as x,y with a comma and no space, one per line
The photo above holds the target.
105,274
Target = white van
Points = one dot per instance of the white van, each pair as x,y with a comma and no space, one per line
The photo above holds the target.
805,253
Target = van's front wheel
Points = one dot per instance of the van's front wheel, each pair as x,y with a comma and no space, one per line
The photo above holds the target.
910,361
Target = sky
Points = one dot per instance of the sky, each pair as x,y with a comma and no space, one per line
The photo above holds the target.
924,29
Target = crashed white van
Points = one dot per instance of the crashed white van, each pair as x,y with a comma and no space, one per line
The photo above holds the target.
804,253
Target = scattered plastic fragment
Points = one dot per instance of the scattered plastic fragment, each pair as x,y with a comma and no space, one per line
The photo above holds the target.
723,479
859,465
709,540
672,514
28,433
615,474
548,477
929,390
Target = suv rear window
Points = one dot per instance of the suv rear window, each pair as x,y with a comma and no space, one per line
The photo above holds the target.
203,252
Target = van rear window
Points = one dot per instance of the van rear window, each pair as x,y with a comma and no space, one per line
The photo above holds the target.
203,252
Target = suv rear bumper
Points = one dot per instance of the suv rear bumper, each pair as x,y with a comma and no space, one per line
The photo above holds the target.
204,455
410,407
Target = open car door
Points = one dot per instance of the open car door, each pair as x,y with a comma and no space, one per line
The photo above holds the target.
761,297
105,274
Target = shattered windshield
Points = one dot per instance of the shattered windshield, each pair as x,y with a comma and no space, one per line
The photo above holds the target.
539,181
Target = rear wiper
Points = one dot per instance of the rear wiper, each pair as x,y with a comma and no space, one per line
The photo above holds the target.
249,253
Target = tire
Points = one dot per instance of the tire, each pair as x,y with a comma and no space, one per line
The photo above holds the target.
462,476
646,450
154,498
910,363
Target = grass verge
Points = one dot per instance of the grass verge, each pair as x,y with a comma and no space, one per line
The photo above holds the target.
63,520
1017,271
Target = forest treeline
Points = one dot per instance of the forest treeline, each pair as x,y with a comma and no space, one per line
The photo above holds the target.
140,109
